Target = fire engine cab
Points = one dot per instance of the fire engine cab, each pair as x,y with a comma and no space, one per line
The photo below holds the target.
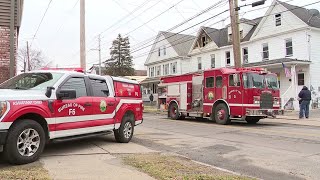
223,94
53,105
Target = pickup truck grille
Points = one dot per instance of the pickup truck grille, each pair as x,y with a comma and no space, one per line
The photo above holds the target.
266,101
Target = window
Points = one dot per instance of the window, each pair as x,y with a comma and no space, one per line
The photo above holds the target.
199,63
241,34
219,81
174,68
213,61
210,82
166,69
228,60
159,51
289,50
234,80
152,72
164,50
99,87
265,51
230,37
301,79
77,84
204,41
158,70
245,55
278,19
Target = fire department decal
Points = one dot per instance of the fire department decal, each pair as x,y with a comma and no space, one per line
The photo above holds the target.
103,106
210,95
71,105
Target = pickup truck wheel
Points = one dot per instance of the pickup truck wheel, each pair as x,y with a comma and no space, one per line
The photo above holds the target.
252,120
125,132
25,142
221,114
174,111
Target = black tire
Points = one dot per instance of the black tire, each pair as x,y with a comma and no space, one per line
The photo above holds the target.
252,120
223,119
125,132
173,111
11,152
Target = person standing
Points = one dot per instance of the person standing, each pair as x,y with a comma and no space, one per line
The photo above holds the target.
304,102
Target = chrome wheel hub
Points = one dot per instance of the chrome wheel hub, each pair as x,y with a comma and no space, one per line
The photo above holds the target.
28,142
127,130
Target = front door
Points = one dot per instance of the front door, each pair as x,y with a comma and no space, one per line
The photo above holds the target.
104,106
72,116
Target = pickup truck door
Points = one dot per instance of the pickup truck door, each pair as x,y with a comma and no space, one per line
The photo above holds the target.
104,106
72,116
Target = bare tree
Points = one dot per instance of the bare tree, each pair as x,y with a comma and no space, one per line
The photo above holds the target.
36,59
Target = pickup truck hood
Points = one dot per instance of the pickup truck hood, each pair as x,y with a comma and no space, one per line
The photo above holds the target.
12,94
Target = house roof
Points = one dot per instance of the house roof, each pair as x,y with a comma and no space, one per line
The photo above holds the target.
303,14
181,43
220,36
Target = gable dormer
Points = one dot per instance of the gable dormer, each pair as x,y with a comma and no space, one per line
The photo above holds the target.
245,27
202,40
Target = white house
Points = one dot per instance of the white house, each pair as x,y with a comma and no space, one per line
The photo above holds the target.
285,34
165,58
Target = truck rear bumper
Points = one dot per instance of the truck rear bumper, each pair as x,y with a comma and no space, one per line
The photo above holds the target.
264,112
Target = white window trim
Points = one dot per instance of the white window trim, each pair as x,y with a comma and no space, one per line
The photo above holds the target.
285,44
262,53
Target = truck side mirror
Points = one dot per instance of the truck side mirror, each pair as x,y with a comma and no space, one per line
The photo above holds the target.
66,94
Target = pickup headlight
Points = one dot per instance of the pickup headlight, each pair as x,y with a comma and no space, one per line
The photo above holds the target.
3,108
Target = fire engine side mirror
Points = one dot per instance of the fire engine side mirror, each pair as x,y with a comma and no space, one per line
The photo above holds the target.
66,94
49,91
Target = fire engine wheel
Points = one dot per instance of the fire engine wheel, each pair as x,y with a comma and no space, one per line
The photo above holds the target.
252,120
221,114
25,142
174,111
125,132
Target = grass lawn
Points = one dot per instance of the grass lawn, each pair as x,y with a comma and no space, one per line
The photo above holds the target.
165,167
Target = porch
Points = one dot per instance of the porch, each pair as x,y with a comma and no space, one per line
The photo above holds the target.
149,86
289,86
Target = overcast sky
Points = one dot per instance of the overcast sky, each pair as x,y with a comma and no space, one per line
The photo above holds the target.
58,36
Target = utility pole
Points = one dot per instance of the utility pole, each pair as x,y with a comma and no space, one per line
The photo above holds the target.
12,48
82,35
99,54
28,57
234,15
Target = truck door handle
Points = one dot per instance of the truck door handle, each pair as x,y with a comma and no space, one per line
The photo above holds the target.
87,104
110,103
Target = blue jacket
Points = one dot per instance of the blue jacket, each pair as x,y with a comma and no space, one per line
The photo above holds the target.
305,94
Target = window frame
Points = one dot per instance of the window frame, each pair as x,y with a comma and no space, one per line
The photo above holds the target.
213,63
86,83
288,40
199,65
265,51
238,83
278,19
245,56
228,58
301,73
216,85
213,81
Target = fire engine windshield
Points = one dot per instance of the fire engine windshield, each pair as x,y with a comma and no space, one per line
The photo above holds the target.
36,81
252,80
272,82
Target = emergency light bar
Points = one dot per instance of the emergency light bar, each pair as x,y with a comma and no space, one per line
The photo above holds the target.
65,69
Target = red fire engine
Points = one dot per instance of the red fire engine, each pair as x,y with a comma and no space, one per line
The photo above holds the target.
53,105
223,94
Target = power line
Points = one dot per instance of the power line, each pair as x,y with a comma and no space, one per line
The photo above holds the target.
143,54
35,34
214,6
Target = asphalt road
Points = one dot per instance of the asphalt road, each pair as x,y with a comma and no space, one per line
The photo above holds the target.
267,150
